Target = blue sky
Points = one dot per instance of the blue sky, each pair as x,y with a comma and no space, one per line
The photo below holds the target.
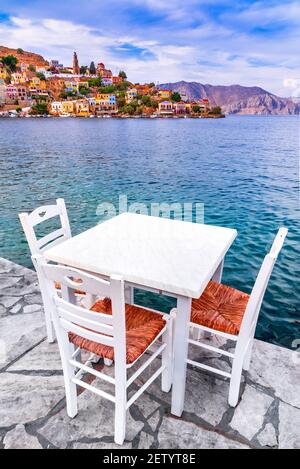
211,41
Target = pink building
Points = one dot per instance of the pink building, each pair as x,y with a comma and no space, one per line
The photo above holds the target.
180,108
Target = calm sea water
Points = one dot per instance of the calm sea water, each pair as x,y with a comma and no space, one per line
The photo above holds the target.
244,169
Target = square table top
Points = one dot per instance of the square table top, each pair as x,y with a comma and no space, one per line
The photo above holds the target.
168,255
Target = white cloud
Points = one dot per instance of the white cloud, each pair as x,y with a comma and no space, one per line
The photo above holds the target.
208,53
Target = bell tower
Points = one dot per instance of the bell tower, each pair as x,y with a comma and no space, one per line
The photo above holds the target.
76,69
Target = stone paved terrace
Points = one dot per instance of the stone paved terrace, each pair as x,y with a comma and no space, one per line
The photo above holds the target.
32,405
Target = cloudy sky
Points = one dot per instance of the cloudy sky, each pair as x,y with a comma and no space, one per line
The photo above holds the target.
211,41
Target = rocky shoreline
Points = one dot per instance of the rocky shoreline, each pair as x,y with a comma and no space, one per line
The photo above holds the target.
14,116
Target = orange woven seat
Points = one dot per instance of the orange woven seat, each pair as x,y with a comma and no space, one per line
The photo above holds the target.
221,308
142,327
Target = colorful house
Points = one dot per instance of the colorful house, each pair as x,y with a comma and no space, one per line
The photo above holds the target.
165,108
106,98
18,77
11,93
2,92
131,94
103,72
68,107
143,90
35,81
179,108
71,86
82,108
107,81
165,94
56,108
3,71
117,80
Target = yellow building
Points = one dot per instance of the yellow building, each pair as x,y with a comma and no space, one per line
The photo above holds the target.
100,97
165,94
3,73
35,81
82,108
43,85
68,107
18,78
72,86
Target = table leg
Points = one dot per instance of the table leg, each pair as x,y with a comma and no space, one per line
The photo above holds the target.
217,277
180,354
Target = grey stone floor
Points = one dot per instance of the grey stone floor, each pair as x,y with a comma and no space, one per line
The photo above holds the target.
32,405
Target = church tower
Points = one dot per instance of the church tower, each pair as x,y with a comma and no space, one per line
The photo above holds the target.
76,69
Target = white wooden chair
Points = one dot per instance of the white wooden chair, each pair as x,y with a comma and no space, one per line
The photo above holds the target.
233,315
37,246
106,333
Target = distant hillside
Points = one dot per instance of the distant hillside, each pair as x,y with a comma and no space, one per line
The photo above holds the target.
28,58
236,99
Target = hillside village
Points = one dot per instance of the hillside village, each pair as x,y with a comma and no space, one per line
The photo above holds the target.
31,86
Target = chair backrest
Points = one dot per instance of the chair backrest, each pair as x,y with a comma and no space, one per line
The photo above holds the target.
40,215
68,317
256,298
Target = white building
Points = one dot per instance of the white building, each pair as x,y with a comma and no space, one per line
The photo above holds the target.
56,107
2,92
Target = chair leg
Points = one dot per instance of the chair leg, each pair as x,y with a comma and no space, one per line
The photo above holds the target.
247,360
71,397
121,400
48,320
166,377
120,415
235,382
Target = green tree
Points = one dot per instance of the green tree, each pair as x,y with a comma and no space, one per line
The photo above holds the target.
96,82
41,76
19,109
129,109
20,51
122,86
92,68
176,97
122,74
67,94
196,109
216,110
106,89
31,68
83,69
39,109
10,61
152,85
121,102
83,90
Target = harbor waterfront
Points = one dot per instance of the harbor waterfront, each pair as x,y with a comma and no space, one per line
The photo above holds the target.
244,169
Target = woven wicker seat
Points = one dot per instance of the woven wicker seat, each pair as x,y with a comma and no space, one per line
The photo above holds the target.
221,308
142,327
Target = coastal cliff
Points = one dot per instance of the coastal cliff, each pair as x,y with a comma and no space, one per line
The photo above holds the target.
236,99
28,58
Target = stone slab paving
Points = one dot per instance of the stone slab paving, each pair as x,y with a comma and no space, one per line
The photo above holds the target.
32,404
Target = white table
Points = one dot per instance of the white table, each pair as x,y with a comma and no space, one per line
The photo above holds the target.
165,256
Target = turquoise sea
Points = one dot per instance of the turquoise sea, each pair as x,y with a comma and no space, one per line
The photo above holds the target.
245,169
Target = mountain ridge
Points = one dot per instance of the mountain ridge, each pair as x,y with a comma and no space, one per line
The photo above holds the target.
237,99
